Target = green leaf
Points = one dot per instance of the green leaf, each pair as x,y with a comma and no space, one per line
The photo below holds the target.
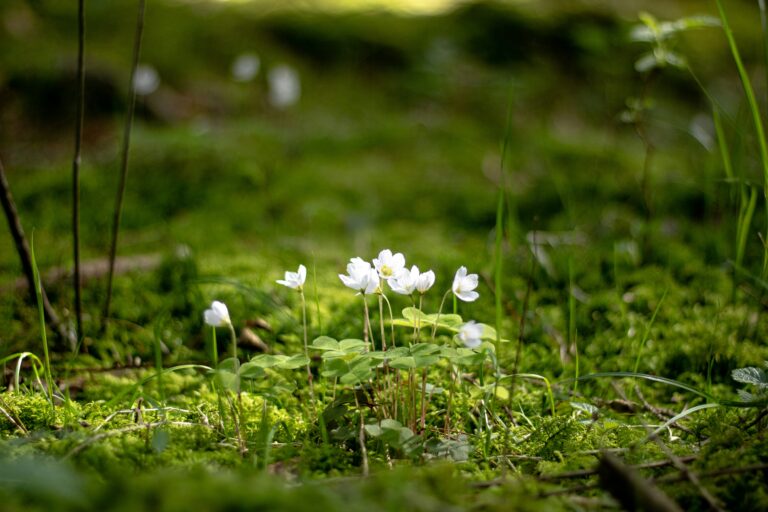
390,424
403,363
325,343
335,354
751,375
352,346
426,361
251,371
412,315
334,368
264,361
291,363
425,349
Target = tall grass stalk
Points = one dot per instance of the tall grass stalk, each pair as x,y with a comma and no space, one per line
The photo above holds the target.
764,27
753,107
76,167
41,319
124,160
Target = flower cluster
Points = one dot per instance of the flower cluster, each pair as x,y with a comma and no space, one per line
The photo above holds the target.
366,278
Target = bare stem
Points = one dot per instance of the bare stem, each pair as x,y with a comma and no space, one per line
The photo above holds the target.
76,165
124,160
363,450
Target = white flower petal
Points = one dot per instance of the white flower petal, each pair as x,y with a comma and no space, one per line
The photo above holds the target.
468,296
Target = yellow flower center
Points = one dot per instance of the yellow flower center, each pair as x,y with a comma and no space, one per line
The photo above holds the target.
386,271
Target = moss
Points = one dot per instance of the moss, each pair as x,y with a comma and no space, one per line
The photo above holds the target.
32,411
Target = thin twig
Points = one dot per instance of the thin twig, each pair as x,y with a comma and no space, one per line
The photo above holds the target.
22,248
76,165
124,160
15,420
689,475
662,414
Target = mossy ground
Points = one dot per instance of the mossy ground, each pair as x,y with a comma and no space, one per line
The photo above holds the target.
395,143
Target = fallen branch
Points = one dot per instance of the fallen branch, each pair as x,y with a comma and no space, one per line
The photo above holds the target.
22,247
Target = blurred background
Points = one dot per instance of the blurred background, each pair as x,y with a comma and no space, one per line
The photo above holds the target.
269,133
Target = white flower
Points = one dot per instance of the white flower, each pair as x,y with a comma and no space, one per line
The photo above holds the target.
408,281
389,265
470,334
246,67
217,315
145,80
284,86
361,276
404,282
295,280
464,285
425,281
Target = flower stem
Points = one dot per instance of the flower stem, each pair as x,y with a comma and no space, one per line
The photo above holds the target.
306,350
391,320
235,359
363,450
215,350
367,331
423,401
439,312
381,323
450,399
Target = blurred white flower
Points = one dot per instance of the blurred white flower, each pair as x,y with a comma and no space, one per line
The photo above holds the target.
361,276
407,281
284,86
217,315
388,265
295,280
145,80
245,67
404,281
425,281
470,334
464,285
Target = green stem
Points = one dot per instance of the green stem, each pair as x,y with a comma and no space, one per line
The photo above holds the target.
749,92
391,321
215,349
317,297
236,361
439,312
306,350
41,319
381,323
367,330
